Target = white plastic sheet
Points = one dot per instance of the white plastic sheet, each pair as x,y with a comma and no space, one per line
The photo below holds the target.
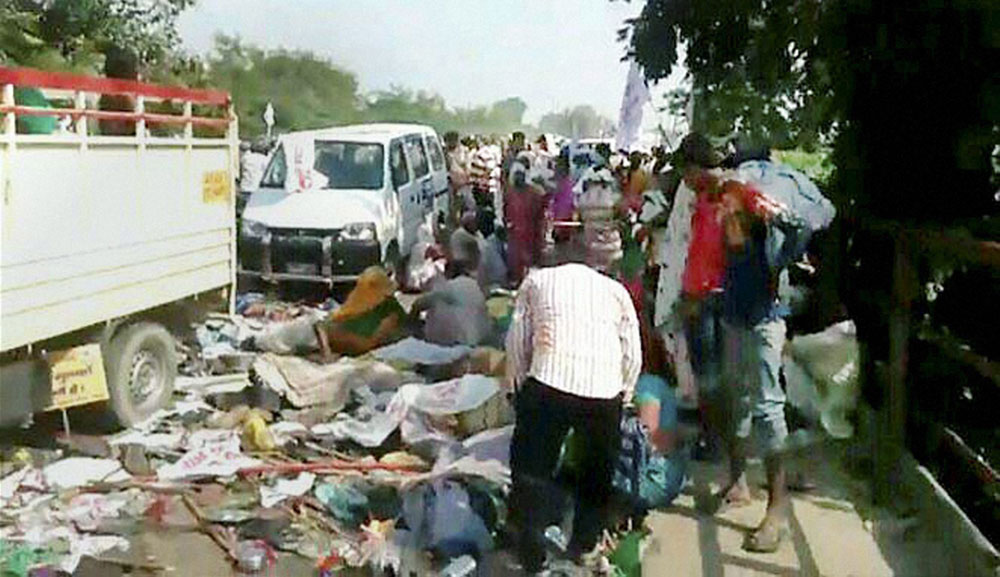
285,488
211,454
408,407
90,546
822,374
79,471
87,510
305,383
420,352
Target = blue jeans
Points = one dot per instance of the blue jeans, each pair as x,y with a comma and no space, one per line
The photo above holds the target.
703,332
752,368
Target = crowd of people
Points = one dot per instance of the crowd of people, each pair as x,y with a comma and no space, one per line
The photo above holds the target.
645,286
644,283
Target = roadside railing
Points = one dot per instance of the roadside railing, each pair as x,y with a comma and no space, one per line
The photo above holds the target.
894,466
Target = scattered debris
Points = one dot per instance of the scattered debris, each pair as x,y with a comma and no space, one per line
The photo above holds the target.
271,454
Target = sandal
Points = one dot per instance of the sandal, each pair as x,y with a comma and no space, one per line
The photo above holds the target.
767,538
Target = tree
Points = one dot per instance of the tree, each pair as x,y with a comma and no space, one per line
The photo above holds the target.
577,122
507,114
751,64
907,93
306,91
403,105
74,34
399,104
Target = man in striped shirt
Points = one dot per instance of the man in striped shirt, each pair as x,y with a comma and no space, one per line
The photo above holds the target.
574,355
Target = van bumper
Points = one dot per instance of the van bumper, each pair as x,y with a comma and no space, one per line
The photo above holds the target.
306,256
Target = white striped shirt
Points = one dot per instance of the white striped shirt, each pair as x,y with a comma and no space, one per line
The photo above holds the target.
575,330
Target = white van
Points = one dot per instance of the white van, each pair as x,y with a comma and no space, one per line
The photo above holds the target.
336,201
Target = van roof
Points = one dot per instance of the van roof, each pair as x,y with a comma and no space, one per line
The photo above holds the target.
377,132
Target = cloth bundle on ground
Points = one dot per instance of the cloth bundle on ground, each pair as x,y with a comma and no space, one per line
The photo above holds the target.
306,384
416,409
822,374
441,518
297,336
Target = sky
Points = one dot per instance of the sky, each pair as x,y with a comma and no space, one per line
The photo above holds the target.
553,54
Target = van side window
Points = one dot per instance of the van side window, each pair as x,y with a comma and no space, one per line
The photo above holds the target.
397,164
418,155
277,170
437,155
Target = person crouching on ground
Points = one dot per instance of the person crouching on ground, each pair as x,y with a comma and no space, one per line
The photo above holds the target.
653,460
456,309
573,355
371,317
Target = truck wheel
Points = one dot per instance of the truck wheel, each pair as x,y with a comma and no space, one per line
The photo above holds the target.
141,365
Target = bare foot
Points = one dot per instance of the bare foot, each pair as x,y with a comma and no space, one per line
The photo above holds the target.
767,537
734,496
737,493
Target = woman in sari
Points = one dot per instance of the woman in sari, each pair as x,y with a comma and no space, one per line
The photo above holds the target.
371,317
524,211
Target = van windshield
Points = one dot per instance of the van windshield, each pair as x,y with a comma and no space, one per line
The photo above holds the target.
350,164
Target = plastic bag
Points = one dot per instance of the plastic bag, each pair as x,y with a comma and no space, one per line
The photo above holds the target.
821,371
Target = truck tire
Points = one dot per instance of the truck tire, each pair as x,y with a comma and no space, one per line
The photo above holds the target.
141,363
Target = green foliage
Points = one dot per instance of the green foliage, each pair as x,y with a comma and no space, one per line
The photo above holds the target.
757,67
73,34
817,165
308,91
402,105
906,94
305,90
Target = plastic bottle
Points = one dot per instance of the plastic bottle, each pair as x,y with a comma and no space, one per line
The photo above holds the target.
554,536
463,566
252,559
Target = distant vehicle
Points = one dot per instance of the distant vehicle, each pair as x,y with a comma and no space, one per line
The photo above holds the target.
591,143
108,240
336,201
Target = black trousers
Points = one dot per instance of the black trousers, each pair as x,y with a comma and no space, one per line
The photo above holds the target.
544,416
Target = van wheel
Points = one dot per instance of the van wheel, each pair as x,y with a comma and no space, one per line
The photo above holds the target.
141,364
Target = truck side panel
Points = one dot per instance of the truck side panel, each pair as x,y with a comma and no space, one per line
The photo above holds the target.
105,227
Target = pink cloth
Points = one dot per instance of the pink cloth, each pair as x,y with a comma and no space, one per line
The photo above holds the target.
562,201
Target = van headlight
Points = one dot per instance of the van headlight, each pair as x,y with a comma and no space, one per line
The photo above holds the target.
360,231
253,229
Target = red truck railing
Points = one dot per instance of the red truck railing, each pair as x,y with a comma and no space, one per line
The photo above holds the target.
140,91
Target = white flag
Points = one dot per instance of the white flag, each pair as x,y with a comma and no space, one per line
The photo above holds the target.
269,115
635,98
